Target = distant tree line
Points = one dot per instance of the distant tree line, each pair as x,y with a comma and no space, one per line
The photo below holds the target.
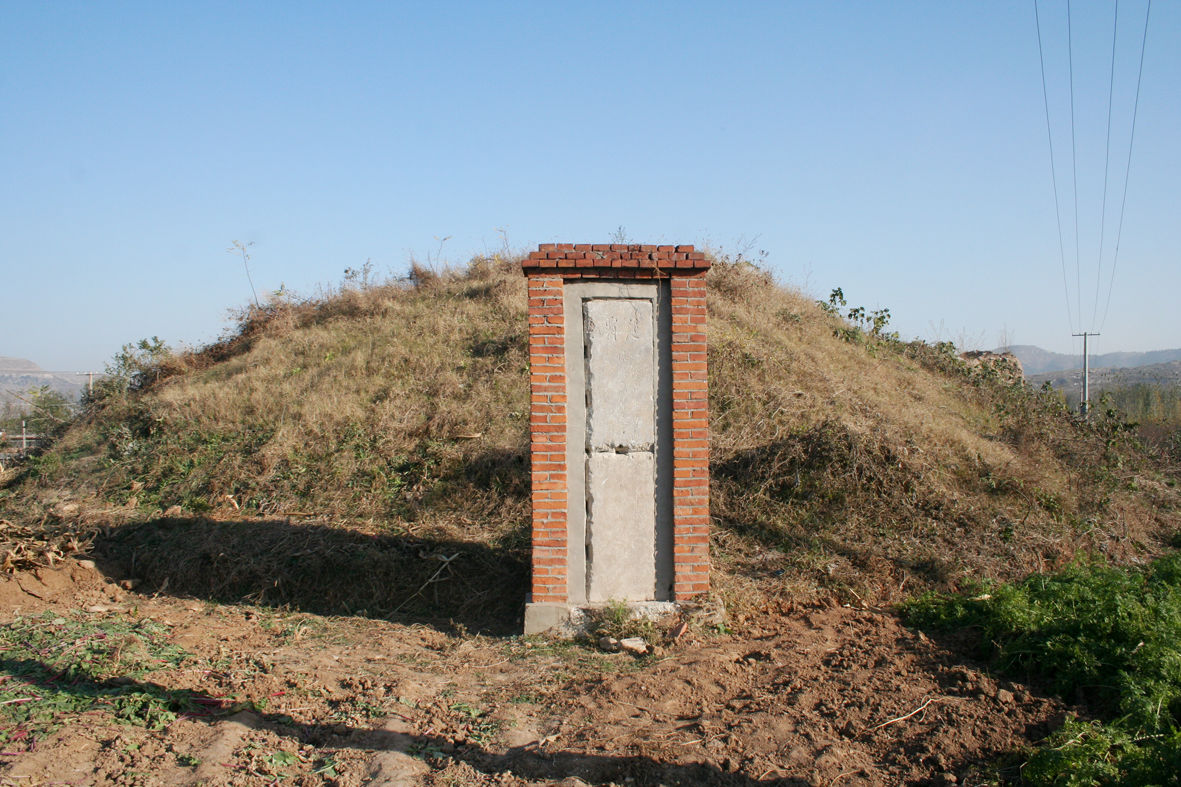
1154,408
1141,402
41,411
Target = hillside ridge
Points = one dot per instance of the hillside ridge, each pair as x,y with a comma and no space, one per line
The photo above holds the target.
1037,361
381,429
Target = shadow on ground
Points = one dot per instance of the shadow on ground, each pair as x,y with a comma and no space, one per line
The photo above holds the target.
323,570
144,698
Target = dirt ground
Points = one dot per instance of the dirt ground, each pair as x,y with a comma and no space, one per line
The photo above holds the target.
820,695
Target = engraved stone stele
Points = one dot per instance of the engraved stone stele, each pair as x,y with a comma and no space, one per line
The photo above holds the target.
620,341
620,350
619,428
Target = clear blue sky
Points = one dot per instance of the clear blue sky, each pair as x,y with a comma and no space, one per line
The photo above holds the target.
896,150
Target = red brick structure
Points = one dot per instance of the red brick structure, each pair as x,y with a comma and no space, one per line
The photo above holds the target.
680,273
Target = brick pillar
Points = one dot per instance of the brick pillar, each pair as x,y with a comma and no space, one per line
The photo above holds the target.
547,427
549,270
690,439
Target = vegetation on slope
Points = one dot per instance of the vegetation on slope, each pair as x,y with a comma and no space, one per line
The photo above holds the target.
367,450
1104,635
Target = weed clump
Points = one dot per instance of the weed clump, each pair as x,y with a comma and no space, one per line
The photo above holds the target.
1108,636
56,667
616,620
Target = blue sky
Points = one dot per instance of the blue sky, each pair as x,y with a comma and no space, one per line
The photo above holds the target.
895,150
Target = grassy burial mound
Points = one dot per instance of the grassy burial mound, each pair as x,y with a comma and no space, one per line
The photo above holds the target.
367,451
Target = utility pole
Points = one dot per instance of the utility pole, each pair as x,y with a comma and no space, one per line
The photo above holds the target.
1085,405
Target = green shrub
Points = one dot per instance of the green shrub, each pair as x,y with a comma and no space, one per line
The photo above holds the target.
1107,635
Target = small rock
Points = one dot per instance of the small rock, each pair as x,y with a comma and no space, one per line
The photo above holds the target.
949,778
572,781
634,645
87,564
1004,696
395,768
609,644
129,584
174,511
98,609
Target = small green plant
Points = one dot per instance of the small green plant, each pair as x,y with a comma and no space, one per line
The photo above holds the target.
326,767
615,619
282,759
863,322
466,709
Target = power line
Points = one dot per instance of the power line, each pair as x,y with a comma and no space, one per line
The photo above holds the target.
1078,281
1106,163
1053,168
1128,169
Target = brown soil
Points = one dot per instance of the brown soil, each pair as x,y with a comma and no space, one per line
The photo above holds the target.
818,695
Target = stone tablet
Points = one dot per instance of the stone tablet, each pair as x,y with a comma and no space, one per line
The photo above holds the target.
620,439
621,526
620,374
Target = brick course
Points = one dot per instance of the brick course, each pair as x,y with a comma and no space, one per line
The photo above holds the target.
548,269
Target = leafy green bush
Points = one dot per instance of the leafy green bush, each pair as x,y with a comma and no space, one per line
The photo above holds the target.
136,365
1109,636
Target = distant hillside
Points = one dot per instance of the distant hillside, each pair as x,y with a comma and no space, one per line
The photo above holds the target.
17,364
1071,380
1037,361
18,375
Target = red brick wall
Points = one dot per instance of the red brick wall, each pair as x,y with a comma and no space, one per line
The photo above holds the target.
547,270
690,439
547,426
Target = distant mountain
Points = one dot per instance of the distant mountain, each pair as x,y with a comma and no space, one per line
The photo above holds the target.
1037,361
15,364
18,375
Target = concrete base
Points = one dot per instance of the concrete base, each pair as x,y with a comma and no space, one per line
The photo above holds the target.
572,620
547,616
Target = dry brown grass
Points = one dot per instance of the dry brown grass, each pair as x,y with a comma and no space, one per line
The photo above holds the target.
859,464
842,462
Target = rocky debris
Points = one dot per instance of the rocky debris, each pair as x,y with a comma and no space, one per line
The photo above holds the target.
706,613
609,644
636,646
1005,365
